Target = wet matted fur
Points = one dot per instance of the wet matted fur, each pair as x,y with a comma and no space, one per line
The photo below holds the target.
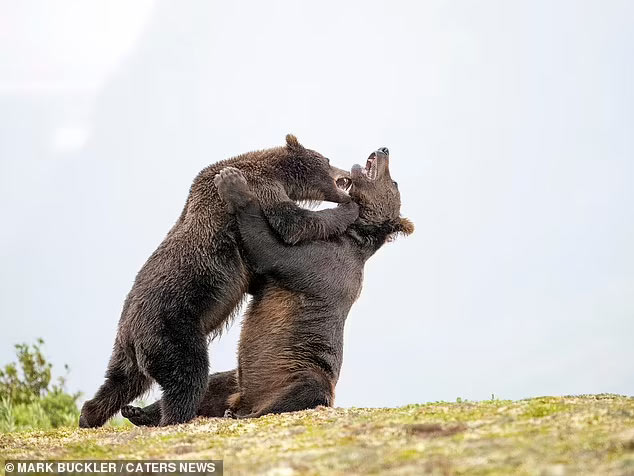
291,345
191,284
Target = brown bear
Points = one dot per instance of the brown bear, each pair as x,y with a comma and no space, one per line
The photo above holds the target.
291,345
194,281
220,387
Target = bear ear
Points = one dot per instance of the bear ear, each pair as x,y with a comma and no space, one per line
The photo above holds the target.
402,227
405,226
292,142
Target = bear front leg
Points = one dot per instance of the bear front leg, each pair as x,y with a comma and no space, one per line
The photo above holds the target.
294,224
267,253
261,245
233,189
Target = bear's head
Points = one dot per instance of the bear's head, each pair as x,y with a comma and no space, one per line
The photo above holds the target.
378,196
309,176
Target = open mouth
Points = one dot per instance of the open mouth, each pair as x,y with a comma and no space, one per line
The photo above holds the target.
344,183
369,172
371,169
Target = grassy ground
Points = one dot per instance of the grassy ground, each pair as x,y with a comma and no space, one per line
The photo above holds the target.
543,436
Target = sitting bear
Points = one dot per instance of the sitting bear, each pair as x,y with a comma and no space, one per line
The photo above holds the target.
291,345
193,282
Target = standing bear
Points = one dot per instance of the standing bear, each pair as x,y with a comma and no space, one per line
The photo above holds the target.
193,282
291,345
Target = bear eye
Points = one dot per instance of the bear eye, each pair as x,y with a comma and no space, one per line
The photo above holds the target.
395,183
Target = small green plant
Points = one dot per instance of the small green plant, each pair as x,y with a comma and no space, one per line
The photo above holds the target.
28,398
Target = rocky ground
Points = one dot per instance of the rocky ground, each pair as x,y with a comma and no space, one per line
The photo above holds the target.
591,435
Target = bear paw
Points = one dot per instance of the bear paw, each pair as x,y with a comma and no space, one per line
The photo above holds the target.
233,188
138,416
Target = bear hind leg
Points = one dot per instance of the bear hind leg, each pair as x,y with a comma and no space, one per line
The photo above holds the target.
148,416
124,382
301,395
182,375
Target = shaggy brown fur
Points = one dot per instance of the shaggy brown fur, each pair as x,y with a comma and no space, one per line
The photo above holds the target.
193,282
291,346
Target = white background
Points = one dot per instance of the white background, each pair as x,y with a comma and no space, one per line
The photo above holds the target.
510,129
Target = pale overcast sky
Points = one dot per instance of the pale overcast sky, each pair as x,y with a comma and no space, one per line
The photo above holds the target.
510,126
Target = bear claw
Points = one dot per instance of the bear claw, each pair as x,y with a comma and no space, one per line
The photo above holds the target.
232,187
129,410
136,415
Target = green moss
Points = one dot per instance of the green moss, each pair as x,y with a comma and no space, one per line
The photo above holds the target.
542,407
88,449
407,455
582,435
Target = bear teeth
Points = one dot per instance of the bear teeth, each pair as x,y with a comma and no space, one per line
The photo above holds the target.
344,183
372,172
